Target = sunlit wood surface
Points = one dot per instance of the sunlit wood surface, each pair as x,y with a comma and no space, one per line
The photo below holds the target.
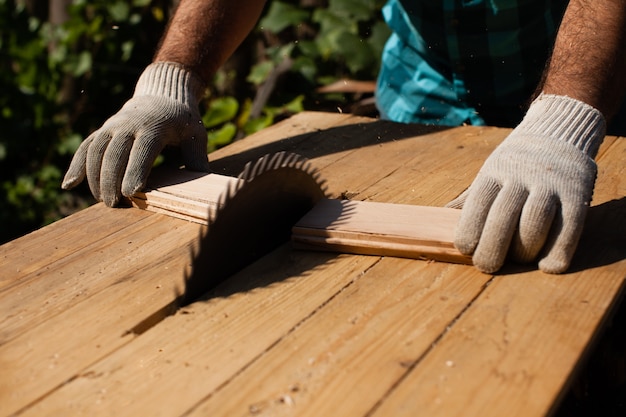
87,326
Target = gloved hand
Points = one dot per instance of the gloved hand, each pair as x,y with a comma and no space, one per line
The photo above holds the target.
531,196
118,157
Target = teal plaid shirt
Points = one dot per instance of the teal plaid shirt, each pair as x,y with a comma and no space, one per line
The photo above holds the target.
450,62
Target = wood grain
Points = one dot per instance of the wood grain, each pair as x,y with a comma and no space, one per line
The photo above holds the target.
382,229
346,357
21,259
183,194
175,365
506,354
84,307
301,332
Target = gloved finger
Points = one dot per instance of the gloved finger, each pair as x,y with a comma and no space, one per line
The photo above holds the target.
563,238
113,168
95,155
481,195
458,202
146,148
76,172
194,150
500,226
535,223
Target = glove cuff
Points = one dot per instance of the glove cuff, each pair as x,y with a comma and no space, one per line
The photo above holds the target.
565,119
169,79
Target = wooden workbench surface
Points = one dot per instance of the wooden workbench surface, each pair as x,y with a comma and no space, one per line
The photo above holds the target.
84,302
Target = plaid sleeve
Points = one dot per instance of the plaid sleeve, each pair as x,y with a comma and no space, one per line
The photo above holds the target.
451,62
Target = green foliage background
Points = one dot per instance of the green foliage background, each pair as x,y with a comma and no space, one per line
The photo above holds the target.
60,82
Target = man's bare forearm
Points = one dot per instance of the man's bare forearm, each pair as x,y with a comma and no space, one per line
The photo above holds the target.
588,62
204,33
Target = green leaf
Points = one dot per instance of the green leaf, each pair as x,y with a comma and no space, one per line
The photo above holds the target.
254,125
82,63
357,52
119,11
295,105
70,144
158,160
221,137
49,173
220,110
352,9
330,22
306,67
158,13
308,48
379,33
260,72
127,49
282,15
58,54
278,54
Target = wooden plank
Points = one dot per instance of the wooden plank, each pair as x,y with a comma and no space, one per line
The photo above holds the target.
310,134
331,140
177,364
369,228
257,332
94,312
528,330
611,180
21,258
453,155
64,314
233,346
513,350
391,148
88,268
346,357
182,194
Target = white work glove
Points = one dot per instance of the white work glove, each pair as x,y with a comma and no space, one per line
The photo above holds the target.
118,157
531,196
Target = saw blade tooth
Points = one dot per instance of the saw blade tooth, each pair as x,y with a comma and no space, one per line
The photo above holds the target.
274,160
230,191
278,160
254,169
304,165
260,166
291,160
245,173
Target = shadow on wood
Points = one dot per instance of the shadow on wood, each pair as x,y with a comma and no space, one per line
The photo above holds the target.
603,241
319,143
255,216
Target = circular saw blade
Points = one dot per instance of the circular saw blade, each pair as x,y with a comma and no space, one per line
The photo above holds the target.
254,217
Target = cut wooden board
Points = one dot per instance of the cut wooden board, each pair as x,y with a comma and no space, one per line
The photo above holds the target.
371,228
183,194
360,227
